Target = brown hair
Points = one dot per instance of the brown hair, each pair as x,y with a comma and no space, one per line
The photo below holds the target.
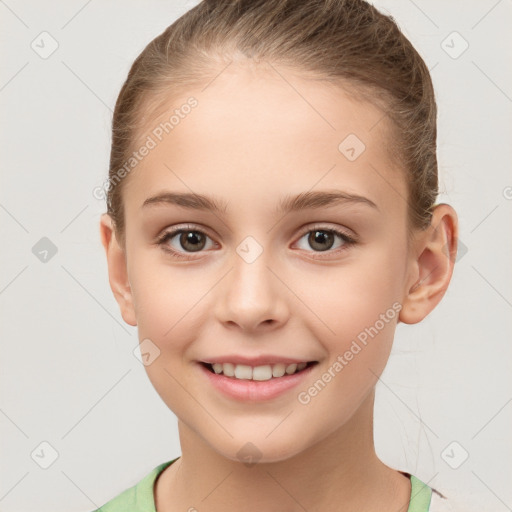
345,42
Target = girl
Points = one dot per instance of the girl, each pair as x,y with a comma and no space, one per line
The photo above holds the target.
271,219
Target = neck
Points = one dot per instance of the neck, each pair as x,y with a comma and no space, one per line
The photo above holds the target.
341,472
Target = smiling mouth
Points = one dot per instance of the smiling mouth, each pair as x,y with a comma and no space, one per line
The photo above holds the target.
257,373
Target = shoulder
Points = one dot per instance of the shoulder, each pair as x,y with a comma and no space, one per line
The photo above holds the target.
139,497
427,499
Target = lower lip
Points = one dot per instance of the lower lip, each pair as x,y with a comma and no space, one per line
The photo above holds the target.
254,390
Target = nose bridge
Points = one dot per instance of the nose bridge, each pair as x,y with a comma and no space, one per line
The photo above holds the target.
251,294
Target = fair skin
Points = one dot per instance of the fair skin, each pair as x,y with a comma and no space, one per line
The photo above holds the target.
251,141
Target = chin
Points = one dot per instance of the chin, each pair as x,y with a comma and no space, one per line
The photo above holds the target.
258,449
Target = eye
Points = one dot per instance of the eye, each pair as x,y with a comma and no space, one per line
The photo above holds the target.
323,239
181,241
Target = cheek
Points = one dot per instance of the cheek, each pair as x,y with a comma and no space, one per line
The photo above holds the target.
166,302
359,308
170,301
167,307
355,296
362,313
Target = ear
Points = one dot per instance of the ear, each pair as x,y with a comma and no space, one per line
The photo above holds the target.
117,270
434,254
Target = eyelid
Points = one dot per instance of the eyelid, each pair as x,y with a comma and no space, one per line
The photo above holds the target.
306,229
168,234
349,239
184,227
322,226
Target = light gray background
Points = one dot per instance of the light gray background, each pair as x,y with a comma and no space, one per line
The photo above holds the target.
68,373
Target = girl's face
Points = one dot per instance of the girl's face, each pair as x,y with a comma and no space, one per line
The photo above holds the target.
280,272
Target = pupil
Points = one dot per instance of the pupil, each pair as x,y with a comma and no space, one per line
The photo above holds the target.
317,237
192,237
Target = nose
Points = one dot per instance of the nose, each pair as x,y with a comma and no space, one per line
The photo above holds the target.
251,297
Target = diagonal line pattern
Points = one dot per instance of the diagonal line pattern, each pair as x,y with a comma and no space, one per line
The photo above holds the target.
216,76
434,66
13,218
485,15
87,86
13,279
384,179
198,403
492,418
286,491
301,300
14,76
74,218
95,300
111,388
76,14
492,211
13,13
14,485
17,426
495,289
424,14
421,281
275,428
491,80
508,508
217,486
412,412
88,497
401,102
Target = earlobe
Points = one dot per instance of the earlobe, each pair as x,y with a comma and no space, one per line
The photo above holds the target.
117,270
432,269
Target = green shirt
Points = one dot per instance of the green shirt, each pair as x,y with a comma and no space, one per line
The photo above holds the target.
140,497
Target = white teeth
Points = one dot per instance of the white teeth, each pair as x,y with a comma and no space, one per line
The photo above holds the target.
228,369
243,372
264,372
291,368
278,370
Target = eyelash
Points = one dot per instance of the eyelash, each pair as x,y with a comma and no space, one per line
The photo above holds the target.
169,235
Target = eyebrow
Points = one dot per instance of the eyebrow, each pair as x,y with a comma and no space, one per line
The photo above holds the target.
303,201
320,199
187,200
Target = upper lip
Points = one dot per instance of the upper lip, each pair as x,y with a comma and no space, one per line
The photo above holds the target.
254,361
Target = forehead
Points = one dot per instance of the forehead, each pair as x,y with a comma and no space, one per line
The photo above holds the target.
260,132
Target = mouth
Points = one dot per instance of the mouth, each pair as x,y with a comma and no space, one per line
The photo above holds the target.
258,373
